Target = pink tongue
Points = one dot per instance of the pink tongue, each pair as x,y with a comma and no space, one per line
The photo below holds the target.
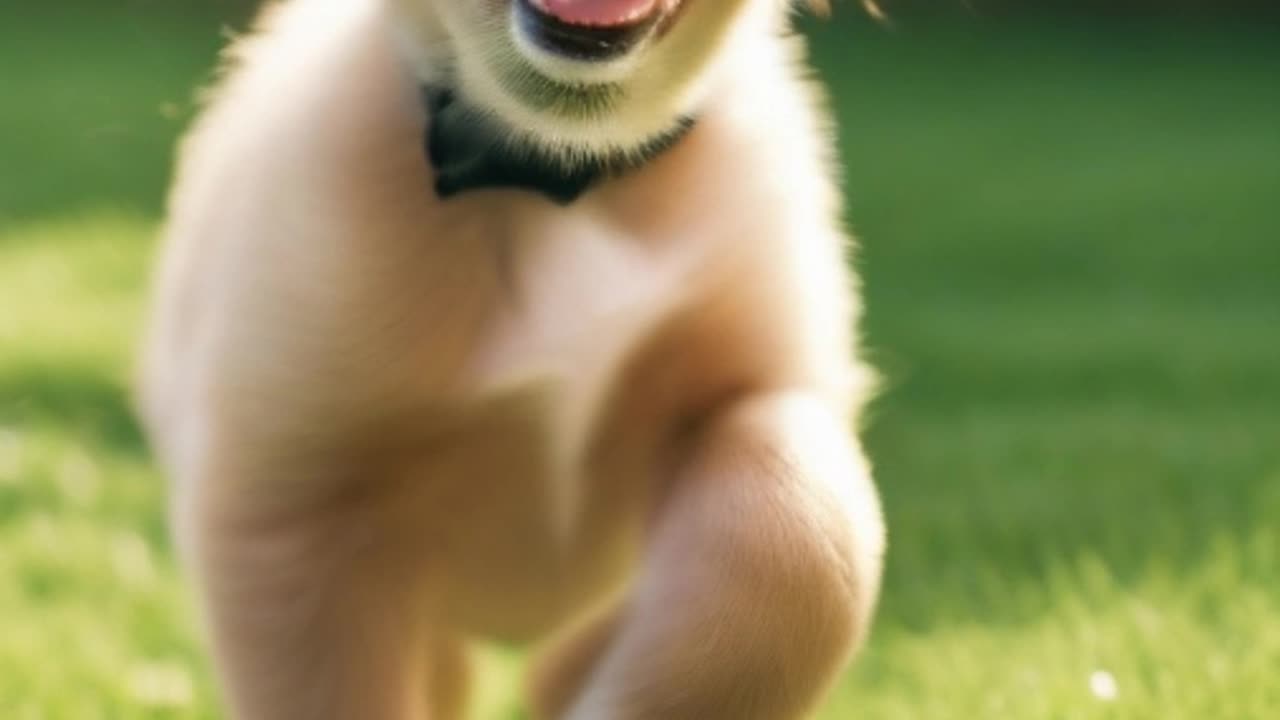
597,13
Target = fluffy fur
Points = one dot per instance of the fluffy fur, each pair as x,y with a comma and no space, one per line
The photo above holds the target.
396,424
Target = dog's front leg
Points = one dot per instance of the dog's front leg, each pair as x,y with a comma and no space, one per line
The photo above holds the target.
316,616
760,578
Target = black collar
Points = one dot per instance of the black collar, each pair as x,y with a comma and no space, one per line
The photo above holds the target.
469,153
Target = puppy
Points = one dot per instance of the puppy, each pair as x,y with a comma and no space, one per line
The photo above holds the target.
516,320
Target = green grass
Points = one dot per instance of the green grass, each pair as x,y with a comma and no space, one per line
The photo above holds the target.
1072,257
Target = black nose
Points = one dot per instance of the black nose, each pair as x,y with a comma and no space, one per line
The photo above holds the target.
580,42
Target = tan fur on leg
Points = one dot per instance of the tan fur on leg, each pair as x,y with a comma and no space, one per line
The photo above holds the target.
309,624
448,678
561,672
760,578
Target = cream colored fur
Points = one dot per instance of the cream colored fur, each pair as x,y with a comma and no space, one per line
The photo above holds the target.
397,425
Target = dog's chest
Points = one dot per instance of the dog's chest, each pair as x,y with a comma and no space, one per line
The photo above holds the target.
575,295
548,463
579,300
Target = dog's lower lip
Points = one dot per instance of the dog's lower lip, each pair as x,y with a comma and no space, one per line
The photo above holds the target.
581,41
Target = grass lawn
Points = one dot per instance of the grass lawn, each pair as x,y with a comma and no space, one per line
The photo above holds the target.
1071,241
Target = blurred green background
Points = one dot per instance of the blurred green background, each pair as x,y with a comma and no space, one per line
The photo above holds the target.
1070,223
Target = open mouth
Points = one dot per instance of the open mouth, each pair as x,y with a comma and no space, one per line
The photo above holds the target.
589,30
